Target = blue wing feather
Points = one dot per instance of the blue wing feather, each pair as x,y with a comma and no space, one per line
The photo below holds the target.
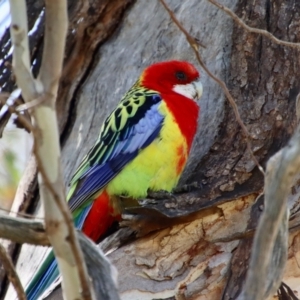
120,140
124,145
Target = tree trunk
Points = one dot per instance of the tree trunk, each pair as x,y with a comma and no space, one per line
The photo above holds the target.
193,245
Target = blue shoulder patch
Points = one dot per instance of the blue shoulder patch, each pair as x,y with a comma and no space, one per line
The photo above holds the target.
107,160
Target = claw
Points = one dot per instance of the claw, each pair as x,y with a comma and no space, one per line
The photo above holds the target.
160,195
187,187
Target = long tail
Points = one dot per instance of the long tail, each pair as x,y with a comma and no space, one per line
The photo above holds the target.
45,276
94,220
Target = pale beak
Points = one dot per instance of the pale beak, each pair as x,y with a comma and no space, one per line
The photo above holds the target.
192,90
198,89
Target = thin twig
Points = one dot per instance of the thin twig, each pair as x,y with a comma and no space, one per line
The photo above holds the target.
289,291
4,118
11,273
22,119
252,29
29,105
48,184
194,45
41,169
21,214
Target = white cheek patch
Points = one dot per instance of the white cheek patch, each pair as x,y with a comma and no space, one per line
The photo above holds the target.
191,90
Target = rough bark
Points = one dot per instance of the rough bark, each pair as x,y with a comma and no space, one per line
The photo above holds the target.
198,254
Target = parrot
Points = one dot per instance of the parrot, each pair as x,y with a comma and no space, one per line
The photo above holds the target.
143,146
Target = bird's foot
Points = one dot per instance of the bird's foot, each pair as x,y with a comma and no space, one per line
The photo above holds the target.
160,195
187,187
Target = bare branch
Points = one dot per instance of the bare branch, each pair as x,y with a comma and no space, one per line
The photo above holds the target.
281,169
55,35
30,105
251,29
21,60
6,115
63,209
21,118
194,45
99,267
58,219
21,230
11,273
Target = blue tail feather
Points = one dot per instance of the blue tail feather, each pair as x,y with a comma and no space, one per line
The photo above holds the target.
48,271
43,279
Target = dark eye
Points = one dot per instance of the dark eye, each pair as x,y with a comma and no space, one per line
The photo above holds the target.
180,75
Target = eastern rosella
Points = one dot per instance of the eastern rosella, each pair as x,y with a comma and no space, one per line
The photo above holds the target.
143,145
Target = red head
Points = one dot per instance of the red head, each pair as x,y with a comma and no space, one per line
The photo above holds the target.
173,76
178,83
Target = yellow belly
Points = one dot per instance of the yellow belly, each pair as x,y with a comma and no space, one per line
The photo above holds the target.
157,167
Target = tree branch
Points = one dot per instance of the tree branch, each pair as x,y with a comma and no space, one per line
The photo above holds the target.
99,268
281,170
251,29
21,57
11,273
27,125
58,219
21,230
56,26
